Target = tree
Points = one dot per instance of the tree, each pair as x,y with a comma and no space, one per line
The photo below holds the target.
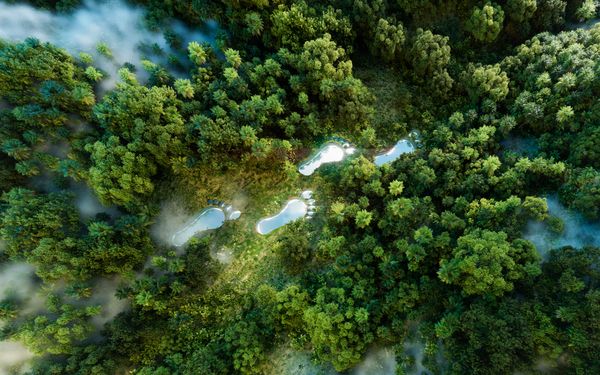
30,217
326,73
388,40
495,336
429,56
44,88
521,10
570,298
587,10
584,151
118,175
564,115
254,23
30,63
8,176
363,218
486,82
255,107
292,26
144,131
582,192
57,333
184,88
485,23
45,230
119,248
485,262
338,330
550,14
294,246
430,52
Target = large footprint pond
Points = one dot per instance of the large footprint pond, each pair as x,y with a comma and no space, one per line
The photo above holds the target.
294,209
329,153
403,146
211,218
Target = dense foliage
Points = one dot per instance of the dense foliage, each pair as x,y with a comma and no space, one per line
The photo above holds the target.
432,247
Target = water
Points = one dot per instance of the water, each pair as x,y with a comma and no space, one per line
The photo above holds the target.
329,153
208,219
403,146
294,209
232,214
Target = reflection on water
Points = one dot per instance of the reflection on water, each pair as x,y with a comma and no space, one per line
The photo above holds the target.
208,219
294,209
403,146
211,218
329,153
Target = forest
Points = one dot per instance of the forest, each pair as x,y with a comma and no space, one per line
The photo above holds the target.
303,187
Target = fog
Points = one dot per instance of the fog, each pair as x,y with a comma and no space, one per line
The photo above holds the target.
14,358
4,104
172,217
224,255
577,231
17,282
119,25
527,146
57,149
103,294
380,361
377,362
292,362
415,350
87,202
45,182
